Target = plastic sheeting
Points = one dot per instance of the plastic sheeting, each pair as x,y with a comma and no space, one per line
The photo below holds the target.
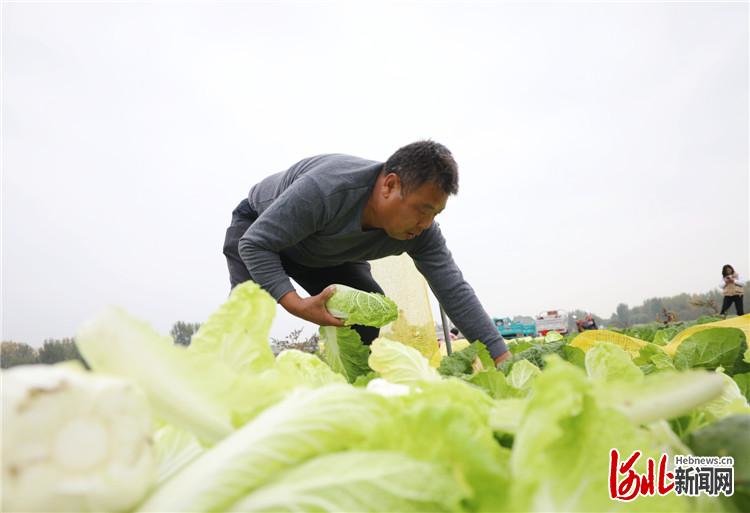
415,327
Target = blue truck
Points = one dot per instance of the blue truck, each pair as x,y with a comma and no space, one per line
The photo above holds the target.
514,329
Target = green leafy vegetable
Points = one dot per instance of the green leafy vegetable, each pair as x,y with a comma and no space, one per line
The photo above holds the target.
306,368
385,388
705,319
175,448
364,379
344,352
729,436
378,428
534,354
710,348
558,458
743,383
465,361
730,402
199,390
574,355
237,332
399,363
191,390
359,307
662,395
306,424
458,414
522,375
506,415
663,336
363,481
608,362
652,358
516,345
494,383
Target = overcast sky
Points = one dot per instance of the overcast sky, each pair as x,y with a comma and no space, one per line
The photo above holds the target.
603,148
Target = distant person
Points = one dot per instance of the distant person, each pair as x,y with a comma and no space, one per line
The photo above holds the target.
320,221
587,323
732,290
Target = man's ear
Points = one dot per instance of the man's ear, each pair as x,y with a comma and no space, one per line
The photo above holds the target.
391,185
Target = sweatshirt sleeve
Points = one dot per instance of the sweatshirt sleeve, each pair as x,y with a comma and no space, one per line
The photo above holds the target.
435,262
295,214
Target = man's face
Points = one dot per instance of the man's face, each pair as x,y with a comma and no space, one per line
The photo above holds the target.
405,216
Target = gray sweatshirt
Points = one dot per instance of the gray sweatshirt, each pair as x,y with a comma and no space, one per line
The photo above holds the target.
312,214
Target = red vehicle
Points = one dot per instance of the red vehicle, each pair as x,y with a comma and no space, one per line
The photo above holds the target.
587,323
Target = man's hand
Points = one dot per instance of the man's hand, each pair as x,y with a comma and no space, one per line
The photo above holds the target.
500,359
312,308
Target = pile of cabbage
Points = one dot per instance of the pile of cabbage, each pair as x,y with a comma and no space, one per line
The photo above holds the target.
223,425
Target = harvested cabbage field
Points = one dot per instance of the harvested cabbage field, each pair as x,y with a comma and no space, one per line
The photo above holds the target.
586,423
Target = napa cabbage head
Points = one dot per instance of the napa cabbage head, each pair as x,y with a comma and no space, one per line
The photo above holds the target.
74,441
399,363
359,307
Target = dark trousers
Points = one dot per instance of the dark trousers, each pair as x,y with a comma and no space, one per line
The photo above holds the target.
354,274
736,300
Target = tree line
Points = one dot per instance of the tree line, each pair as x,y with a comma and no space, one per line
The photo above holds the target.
52,351
61,350
682,307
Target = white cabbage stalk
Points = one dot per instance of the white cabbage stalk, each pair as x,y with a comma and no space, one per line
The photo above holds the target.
663,395
73,441
387,389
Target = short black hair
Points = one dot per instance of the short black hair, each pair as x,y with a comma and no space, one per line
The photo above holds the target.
421,162
727,270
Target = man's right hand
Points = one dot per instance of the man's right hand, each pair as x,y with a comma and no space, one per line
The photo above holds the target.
312,308
500,359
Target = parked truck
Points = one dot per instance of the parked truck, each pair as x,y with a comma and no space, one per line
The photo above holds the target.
552,320
514,329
